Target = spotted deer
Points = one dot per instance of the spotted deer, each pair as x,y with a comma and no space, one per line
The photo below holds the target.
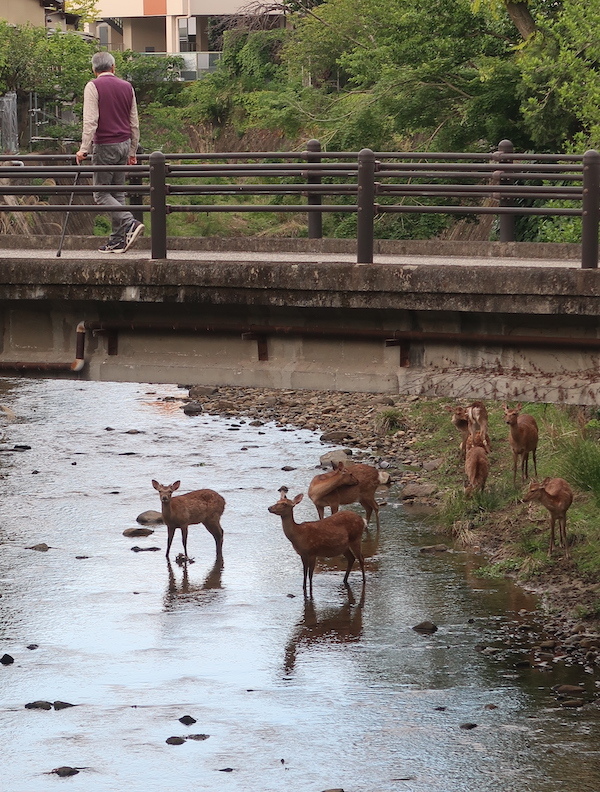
556,495
339,534
523,439
200,506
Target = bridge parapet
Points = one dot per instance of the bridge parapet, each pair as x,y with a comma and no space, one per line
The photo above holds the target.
419,324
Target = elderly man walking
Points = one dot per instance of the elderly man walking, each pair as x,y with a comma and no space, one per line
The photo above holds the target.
111,131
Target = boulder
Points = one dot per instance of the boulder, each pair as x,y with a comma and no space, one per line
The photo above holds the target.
193,408
150,517
418,489
129,532
198,391
425,627
43,705
339,455
334,436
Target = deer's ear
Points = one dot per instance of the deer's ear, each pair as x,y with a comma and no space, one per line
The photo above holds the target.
298,498
155,484
175,485
519,406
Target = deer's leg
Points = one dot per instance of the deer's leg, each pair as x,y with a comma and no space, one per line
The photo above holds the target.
552,521
535,461
184,536
170,535
351,559
524,465
357,550
371,506
311,568
321,512
515,458
304,574
562,524
214,528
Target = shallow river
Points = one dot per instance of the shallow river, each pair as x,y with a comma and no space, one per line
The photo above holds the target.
337,693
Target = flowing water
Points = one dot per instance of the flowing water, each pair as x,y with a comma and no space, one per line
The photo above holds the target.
335,693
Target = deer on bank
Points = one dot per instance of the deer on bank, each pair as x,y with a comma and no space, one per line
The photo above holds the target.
355,483
468,421
478,422
523,439
200,506
339,534
460,419
556,495
477,466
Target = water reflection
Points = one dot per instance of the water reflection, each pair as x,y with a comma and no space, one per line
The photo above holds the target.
185,592
342,624
364,701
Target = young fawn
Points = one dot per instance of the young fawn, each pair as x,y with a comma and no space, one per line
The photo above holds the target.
477,466
332,536
460,419
355,483
478,422
468,421
200,506
556,495
523,439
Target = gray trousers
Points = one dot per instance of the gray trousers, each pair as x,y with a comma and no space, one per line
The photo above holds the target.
113,154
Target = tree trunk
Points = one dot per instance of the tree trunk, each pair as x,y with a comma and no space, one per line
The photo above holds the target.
521,18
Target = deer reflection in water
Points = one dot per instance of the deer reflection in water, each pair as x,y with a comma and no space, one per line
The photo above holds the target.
189,592
332,625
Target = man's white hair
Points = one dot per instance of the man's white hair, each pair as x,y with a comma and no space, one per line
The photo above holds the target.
102,61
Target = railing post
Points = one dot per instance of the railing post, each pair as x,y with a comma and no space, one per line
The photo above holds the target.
590,208
507,221
158,205
366,206
135,199
315,219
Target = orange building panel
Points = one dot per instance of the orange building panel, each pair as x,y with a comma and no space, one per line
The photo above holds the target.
155,7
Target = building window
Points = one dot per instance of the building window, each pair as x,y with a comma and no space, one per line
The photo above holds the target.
102,31
187,34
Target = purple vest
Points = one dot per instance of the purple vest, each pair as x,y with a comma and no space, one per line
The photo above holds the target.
115,97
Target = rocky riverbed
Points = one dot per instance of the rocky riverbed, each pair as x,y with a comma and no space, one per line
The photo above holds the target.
348,421
353,422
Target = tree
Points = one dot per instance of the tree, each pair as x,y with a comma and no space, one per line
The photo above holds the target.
561,77
517,10
86,10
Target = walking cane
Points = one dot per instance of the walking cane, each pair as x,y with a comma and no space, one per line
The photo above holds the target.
66,220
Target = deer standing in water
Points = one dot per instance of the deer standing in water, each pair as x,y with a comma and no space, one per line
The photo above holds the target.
348,484
339,534
556,495
477,466
200,506
523,439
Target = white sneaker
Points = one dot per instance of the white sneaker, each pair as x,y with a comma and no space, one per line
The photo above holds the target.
136,229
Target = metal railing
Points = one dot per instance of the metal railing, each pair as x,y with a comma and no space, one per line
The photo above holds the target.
371,183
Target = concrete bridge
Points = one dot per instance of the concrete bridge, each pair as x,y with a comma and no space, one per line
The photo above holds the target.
490,320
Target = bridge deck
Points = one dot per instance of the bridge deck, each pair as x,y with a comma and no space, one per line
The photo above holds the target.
295,257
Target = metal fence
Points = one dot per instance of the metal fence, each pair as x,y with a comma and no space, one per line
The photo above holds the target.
365,183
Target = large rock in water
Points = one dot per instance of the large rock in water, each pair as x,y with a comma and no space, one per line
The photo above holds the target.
339,455
150,517
129,532
193,408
